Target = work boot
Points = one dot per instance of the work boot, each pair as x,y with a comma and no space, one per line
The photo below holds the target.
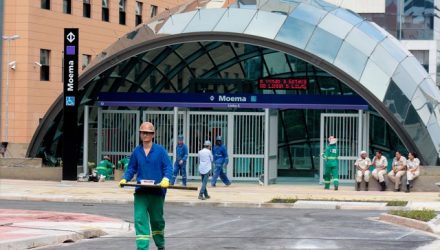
366,186
336,188
358,186
161,248
407,188
411,183
397,190
383,186
207,196
201,197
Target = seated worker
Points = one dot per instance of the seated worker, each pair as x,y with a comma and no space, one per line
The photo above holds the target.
105,168
399,170
413,164
362,170
380,163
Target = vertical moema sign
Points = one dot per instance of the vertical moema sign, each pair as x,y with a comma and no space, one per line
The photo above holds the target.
71,102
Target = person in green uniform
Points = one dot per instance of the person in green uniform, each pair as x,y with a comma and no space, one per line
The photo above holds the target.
331,164
149,161
105,168
123,163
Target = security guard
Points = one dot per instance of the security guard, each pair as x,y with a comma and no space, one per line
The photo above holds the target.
220,161
105,168
181,158
331,164
362,170
149,161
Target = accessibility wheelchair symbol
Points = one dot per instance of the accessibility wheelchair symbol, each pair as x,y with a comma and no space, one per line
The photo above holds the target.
70,101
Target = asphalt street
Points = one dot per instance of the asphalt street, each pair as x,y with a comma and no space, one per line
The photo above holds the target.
249,228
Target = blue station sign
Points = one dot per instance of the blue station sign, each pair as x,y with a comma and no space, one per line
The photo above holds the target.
187,100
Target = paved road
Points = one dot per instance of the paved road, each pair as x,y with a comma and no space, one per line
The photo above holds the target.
244,228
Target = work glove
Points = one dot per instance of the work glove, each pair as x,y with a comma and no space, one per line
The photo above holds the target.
123,181
164,183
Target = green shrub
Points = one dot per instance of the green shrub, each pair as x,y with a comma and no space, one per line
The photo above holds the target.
396,203
423,215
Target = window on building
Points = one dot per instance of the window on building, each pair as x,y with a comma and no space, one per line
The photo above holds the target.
105,11
45,65
67,6
45,4
438,68
423,57
139,6
153,11
86,8
122,4
85,60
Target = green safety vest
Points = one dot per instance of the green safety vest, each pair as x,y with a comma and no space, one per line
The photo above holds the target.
124,162
331,155
104,164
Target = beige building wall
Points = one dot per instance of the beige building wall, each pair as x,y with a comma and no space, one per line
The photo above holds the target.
361,6
30,98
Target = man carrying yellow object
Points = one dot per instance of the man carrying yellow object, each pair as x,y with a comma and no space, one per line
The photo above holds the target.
331,164
149,161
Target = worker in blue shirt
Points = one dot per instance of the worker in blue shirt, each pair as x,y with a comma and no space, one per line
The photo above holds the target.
149,161
181,158
220,161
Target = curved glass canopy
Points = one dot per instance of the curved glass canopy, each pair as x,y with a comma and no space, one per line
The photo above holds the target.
363,56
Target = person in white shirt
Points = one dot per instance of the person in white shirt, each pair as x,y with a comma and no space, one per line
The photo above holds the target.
380,163
399,170
413,171
362,170
205,164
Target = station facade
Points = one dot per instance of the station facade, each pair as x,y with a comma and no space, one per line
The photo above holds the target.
274,80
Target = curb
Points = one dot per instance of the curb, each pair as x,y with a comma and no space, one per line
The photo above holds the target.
408,222
345,205
51,240
300,204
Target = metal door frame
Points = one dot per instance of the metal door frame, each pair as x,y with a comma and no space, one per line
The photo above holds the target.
175,113
182,123
362,138
230,118
101,113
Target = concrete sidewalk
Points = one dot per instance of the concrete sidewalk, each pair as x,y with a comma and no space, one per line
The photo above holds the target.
24,229
238,194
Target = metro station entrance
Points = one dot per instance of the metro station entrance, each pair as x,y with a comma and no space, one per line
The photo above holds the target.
248,125
243,133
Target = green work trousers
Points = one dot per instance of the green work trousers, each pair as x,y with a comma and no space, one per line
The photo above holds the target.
329,172
148,209
107,172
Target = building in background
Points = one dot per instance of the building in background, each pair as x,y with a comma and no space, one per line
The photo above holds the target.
32,76
415,23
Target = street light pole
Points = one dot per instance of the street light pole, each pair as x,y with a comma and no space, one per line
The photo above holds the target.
8,39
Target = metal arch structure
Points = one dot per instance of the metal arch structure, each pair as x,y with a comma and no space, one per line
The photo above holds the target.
362,55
